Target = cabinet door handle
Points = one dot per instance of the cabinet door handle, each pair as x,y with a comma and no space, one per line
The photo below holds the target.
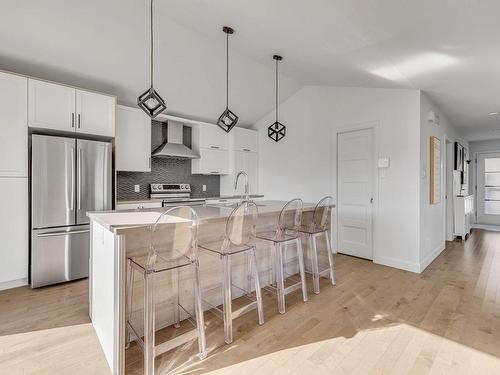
215,147
216,172
247,149
73,120
79,121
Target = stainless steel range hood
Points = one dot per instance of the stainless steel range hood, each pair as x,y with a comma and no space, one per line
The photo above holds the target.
174,147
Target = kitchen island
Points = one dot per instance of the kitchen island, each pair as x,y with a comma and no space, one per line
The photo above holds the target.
118,234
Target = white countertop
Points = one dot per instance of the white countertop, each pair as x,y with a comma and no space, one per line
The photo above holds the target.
147,200
117,221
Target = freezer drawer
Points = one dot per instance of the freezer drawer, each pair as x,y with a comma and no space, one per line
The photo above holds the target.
59,254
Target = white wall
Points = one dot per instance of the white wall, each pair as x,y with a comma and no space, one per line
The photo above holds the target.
303,164
432,217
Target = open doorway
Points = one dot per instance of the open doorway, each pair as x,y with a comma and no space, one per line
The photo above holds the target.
448,180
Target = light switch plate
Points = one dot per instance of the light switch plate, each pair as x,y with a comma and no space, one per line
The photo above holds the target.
204,187
137,188
384,162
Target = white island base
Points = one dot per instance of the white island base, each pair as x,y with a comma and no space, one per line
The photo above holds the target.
118,234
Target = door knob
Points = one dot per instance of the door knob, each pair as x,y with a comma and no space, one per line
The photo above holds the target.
371,200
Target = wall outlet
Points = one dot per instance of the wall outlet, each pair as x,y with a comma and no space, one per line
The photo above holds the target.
204,187
137,188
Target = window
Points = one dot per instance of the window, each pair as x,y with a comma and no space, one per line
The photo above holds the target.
492,186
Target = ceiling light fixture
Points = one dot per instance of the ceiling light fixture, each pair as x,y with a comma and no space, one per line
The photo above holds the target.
227,119
277,130
150,101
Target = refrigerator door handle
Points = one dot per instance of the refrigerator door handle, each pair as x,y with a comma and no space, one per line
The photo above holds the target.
79,193
63,233
72,206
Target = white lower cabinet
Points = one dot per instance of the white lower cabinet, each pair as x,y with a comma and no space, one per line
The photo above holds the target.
211,162
13,231
138,205
133,140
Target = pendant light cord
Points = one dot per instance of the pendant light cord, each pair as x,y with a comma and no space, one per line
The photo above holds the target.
151,46
276,90
227,70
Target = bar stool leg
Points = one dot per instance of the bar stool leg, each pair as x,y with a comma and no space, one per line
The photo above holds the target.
177,309
149,325
227,284
258,293
249,273
330,258
314,263
280,279
200,321
302,269
129,291
273,266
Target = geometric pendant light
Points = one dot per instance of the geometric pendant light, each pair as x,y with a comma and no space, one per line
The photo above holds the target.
150,101
227,119
277,130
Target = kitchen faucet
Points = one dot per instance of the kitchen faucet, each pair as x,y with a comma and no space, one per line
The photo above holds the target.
246,183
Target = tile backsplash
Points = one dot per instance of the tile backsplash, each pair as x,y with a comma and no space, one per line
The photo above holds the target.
165,170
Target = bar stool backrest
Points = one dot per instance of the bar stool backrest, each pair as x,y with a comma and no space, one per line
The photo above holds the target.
241,226
290,217
174,236
322,213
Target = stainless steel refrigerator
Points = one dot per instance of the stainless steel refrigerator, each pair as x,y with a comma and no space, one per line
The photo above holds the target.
68,178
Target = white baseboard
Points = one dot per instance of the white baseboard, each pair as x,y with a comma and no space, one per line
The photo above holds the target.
13,284
398,263
494,228
433,255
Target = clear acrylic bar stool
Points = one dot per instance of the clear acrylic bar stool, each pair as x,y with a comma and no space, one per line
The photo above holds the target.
239,238
173,246
286,233
316,228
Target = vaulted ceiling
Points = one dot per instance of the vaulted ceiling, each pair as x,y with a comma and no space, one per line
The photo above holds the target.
448,48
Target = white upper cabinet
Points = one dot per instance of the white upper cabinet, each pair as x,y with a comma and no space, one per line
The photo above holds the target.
242,139
13,126
133,140
63,108
51,106
95,113
211,162
249,163
210,136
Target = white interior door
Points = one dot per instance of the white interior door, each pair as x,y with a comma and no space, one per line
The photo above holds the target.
355,193
488,188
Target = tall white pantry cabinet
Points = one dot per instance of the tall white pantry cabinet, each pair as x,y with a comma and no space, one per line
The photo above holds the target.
13,180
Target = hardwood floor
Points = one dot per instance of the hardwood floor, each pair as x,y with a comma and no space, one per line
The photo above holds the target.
376,320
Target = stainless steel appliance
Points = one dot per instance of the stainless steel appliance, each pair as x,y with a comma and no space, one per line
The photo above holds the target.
174,148
174,195
68,178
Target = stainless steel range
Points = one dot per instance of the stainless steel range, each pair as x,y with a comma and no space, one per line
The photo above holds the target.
174,195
